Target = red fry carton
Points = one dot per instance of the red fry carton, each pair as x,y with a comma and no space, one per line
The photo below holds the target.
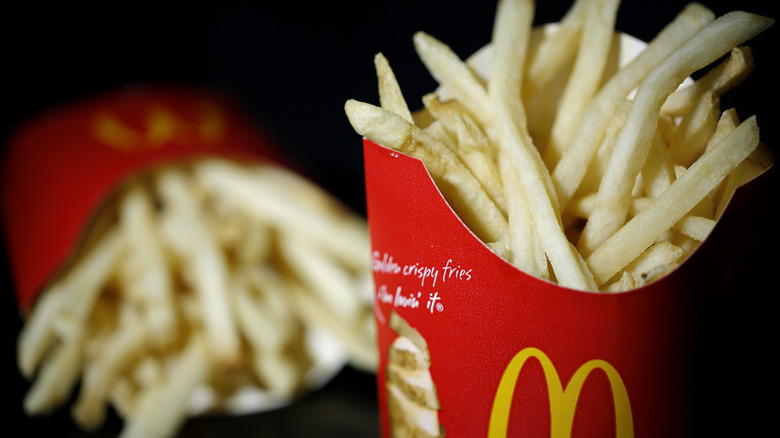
470,346
61,166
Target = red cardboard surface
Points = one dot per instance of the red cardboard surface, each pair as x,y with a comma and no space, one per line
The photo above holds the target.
61,166
491,329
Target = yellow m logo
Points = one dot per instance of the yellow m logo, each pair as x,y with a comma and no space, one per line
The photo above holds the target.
563,402
161,125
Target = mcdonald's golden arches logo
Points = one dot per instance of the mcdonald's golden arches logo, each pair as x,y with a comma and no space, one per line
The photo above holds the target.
161,126
563,402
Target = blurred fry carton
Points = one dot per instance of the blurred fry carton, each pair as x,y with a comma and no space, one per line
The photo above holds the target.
61,166
470,346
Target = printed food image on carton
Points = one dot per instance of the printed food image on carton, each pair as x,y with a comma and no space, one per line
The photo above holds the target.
413,403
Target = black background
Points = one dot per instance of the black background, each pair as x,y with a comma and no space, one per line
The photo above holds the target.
294,64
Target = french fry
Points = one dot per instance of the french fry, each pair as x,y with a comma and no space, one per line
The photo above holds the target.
523,247
450,71
718,80
640,232
184,230
695,129
68,317
37,334
359,344
598,165
706,46
273,205
57,377
656,261
548,57
658,171
162,409
84,283
472,145
510,38
457,183
390,96
127,344
254,244
144,272
585,78
320,275
753,166
570,170
437,132
268,335
695,227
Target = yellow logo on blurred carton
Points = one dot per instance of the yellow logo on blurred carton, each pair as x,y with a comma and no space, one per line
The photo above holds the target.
161,126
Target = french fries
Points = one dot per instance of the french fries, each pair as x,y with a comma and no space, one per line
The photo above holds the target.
204,280
703,48
611,175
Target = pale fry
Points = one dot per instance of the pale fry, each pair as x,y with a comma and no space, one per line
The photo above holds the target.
472,146
510,41
585,78
358,344
695,129
599,163
658,172
254,245
320,275
123,396
456,77
161,410
727,122
58,375
390,96
656,261
510,38
705,207
144,269
479,158
719,79
524,249
661,256
633,142
85,282
273,205
184,230
37,333
267,334
512,32
456,182
624,283
349,230
439,133
695,227
554,50
81,287
127,344
570,170
687,191
760,160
